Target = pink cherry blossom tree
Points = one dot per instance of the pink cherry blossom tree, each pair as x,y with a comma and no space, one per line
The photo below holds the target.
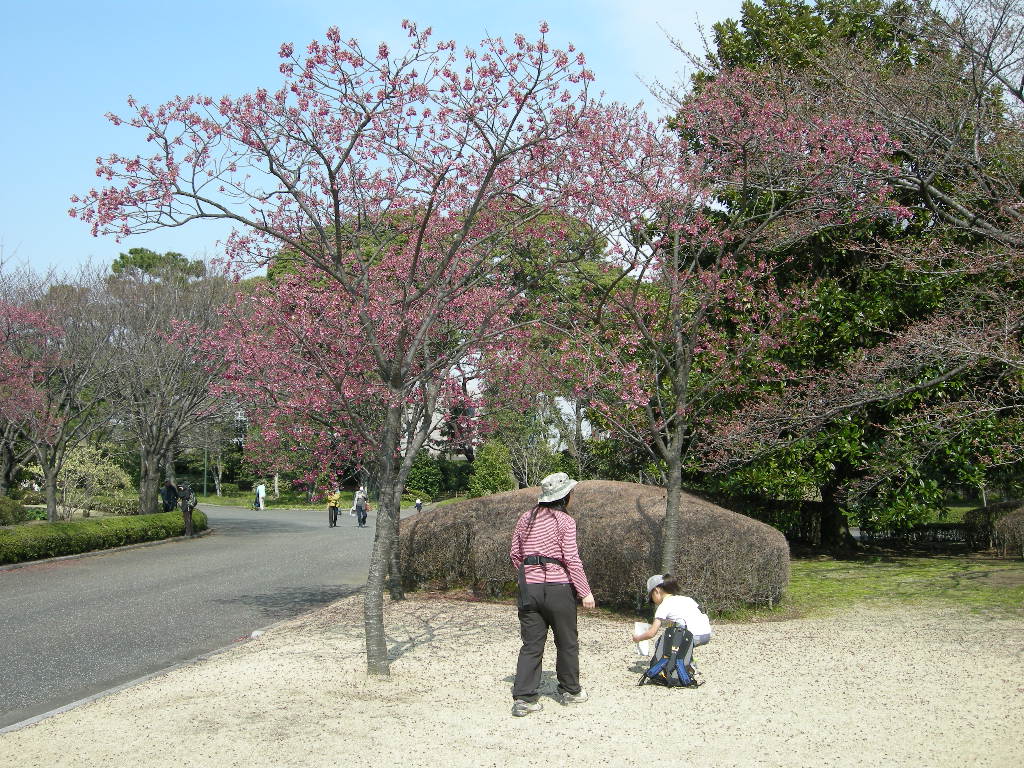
396,183
22,331
696,211
63,360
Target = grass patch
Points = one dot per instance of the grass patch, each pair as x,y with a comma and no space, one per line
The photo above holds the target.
285,501
825,586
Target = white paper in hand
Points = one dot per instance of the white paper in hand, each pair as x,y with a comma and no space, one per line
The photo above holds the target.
643,648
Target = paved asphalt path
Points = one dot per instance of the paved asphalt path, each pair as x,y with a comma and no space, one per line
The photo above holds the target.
72,628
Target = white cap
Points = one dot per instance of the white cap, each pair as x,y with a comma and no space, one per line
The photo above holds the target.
655,581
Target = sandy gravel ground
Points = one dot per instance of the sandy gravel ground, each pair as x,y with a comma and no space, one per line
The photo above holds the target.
903,687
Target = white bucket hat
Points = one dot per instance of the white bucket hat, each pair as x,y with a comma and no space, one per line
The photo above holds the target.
554,487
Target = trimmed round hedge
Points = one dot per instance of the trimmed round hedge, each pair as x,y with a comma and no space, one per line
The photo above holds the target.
725,561
35,542
1009,532
980,523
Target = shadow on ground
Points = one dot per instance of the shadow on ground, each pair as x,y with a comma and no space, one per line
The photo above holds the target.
286,603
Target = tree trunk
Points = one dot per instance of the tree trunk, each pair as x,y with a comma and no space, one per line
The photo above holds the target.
149,481
395,589
380,556
8,467
277,485
218,474
835,530
169,465
673,497
50,487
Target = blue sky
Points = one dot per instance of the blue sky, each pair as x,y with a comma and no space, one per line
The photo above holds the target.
66,64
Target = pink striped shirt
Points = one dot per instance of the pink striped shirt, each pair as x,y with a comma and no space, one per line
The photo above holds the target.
553,535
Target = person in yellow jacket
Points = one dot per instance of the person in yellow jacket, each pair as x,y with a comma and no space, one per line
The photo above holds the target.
333,502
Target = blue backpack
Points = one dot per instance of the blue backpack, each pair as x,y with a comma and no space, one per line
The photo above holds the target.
672,664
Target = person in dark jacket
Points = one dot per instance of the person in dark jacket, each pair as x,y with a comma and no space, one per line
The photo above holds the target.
188,503
169,496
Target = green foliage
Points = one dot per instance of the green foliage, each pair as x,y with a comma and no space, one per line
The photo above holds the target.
492,470
425,476
34,542
11,512
117,504
161,266
614,460
455,475
87,474
789,31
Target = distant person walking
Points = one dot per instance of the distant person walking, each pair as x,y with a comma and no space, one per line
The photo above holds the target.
333,501
188,503
551,579
169,496
261,495
360,505
419,505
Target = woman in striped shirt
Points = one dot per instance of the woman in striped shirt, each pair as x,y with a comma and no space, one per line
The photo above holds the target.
551,577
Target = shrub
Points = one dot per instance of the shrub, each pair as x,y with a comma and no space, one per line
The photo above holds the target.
979,524
12,512
1009,532
492,470
229,489
425,476
33,542
725,559
120,504
30,497
86,474
455,475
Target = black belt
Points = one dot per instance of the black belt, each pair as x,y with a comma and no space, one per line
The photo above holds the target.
532,560
540,559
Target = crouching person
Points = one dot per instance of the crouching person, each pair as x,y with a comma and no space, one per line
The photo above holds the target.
663,590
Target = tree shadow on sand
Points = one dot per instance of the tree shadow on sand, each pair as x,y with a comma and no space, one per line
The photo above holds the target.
288,602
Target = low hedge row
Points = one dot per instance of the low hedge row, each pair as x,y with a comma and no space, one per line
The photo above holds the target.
34,542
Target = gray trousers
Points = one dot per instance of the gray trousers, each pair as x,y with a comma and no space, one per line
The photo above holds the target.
554,606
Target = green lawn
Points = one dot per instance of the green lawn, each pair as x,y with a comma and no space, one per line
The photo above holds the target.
287,500
985,585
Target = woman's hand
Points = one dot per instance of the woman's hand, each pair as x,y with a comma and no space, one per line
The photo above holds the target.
588,601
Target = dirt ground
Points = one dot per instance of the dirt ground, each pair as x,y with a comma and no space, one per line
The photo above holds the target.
875,687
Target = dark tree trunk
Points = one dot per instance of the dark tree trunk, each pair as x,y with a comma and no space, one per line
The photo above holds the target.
8,467
835,530
149,482
50,487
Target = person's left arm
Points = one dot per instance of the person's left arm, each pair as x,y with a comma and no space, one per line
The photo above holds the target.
573,563
516,553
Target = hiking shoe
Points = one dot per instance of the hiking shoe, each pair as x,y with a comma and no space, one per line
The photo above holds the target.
574,698
522,708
